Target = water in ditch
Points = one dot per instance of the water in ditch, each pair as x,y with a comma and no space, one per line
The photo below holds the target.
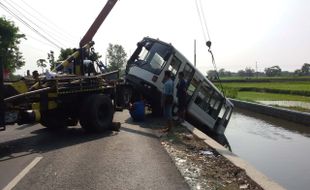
277,148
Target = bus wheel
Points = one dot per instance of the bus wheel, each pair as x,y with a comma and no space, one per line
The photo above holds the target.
96,113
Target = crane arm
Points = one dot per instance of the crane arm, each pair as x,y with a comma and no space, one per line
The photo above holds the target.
97,23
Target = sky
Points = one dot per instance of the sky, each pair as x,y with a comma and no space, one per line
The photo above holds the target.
244,33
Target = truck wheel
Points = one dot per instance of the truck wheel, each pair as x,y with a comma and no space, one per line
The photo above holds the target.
52,120
96,113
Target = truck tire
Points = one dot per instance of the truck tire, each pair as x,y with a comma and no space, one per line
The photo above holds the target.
96,113
53,120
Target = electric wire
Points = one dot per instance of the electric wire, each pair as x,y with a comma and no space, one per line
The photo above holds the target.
28,25
200,19
50,23
37,21
21,15
204,20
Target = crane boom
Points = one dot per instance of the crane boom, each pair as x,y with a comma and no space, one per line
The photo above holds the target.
97,23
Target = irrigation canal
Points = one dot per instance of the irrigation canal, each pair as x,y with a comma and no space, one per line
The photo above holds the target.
278,148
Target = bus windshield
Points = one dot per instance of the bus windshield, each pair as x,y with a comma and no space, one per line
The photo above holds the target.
153,56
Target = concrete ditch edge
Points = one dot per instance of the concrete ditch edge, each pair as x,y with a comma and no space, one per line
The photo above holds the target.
289,115
251,171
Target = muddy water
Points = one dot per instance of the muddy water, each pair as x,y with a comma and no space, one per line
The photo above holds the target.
279,149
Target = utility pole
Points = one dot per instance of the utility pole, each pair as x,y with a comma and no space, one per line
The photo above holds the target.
256,70
195,53
2,105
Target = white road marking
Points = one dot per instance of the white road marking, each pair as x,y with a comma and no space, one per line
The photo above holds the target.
14,182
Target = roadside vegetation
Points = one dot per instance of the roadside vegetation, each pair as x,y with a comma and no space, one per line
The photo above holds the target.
271,85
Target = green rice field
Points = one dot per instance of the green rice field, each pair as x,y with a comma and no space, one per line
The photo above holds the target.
286,90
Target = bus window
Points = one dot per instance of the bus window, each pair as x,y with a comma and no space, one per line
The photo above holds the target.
153,57
174,66
188,73
215,103
192,86
201,99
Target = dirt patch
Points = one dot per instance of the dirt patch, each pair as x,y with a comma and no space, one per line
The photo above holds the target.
201,166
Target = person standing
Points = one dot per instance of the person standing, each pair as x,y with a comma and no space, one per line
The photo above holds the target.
181,94
167,100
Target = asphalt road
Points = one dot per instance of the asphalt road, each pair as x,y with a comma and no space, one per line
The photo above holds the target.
72,159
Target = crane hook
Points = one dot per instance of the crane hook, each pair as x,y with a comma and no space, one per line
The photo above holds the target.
208,43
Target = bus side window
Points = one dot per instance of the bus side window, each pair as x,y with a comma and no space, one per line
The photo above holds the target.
215,103
192,87
188,73
174,66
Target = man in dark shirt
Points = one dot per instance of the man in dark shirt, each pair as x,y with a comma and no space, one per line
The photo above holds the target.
181,94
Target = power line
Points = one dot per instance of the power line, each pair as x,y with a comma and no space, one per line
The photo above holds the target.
202,19
31,22
50,30
52,24
28,25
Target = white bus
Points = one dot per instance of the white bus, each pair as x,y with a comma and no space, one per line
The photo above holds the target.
207,108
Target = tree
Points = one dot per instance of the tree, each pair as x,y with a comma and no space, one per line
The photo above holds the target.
222,72
273,71
41,63
65,53
117,57
241,73
305,69
297,72
51,60
249,72
10,38
212,74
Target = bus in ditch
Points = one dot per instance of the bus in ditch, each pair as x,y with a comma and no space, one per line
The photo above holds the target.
207,108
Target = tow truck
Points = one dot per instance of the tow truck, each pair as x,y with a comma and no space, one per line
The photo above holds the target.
65,99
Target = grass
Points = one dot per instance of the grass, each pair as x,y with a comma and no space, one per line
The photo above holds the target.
265,78
293,86
273,90
258,96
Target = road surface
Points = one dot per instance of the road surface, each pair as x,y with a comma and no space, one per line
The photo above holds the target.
32,157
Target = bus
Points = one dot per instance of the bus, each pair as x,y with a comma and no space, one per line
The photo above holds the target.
207,108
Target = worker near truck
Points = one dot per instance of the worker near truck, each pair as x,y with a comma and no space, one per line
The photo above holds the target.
167,100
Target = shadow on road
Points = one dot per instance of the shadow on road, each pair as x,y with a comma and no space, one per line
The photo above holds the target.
45,140
139,132
150,122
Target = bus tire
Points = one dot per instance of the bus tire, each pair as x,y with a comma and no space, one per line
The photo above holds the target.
96,113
